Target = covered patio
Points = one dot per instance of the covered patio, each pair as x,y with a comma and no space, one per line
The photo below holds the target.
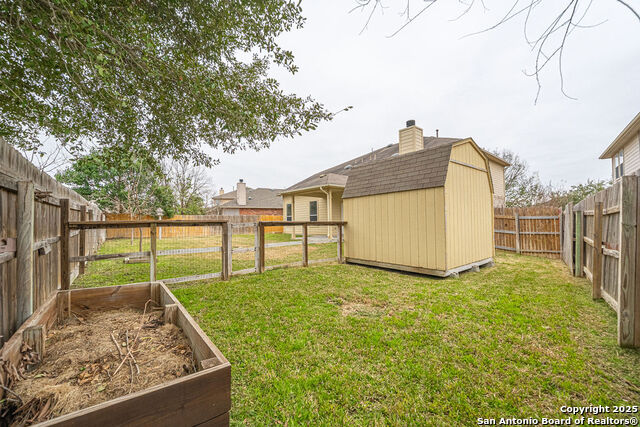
317,203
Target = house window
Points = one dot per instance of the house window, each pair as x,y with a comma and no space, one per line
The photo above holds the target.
313,211
289,212
618,162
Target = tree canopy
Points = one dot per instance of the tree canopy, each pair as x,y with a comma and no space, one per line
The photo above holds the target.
164,77
523,187
130,185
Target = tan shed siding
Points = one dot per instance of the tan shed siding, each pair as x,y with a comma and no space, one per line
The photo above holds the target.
466,153
469,216
632,156
404,228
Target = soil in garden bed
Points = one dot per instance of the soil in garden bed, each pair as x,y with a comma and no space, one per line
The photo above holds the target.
87,362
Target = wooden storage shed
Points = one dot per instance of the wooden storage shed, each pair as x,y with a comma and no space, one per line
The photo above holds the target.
425,210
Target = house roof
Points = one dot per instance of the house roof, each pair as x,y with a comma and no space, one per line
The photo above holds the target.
629,131
425,168
259,198
337,175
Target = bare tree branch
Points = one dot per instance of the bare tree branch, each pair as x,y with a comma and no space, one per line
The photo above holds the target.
546,45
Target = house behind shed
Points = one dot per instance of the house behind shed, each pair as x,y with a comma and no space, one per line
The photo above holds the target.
424,210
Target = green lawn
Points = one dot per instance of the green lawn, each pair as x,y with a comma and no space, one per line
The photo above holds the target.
116,272
343,344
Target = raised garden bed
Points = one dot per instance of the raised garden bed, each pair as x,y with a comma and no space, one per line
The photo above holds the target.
178,377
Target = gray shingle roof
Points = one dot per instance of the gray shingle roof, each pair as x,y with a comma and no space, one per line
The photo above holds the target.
328,176
265,198
412,171
338,175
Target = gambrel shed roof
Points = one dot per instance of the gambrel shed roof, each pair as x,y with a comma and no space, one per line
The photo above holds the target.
412,171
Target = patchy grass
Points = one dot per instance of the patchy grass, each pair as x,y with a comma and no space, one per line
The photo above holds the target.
343,344
116,272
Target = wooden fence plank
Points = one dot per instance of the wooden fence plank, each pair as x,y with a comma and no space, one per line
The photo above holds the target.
256,238
517,233
226,251
83,240
24,251
153,258
65,267
579,243
597,253
628,286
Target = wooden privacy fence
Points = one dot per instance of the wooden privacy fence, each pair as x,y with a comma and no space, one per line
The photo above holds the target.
532,230
30,233
226,250
243,224
604,248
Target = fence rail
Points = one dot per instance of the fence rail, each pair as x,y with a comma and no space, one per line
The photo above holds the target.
150,227
172,228
532,230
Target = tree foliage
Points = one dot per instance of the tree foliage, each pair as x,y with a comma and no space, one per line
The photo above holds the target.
166,77
524,187
577,193
129,184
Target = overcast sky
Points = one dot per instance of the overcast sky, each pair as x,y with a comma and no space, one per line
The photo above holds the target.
473,86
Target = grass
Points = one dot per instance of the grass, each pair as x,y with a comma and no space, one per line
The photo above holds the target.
116,272
343,344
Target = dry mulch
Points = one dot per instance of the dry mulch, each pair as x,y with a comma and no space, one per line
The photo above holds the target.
87,362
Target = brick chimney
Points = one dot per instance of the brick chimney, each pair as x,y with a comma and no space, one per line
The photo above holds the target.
241,193
411,138
221,191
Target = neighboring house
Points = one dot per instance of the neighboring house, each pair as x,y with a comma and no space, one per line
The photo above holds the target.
319,197
624,151
249,201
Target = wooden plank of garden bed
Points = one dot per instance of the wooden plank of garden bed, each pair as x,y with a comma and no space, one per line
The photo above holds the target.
45,315
201,345
189,400
110,297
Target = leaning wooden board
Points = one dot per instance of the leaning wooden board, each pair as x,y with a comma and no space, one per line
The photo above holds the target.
201,398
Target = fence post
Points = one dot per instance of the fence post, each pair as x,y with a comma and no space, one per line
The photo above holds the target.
305,245
567,244
340,256
517,233
82,244
578,244
597,251
628,287
226,251
24,250
262,251
256,235
65,276
153,259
